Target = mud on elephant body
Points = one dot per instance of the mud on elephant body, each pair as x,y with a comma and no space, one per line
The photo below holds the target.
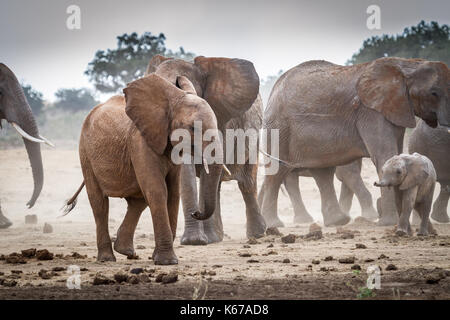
125,152
231,88
330,115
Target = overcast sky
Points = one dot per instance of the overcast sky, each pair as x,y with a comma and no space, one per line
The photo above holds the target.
274,35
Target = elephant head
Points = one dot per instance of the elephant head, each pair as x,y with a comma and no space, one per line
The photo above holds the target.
404,171
15,109
402,88
230,86
158,107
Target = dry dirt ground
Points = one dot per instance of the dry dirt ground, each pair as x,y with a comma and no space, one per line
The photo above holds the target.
411,268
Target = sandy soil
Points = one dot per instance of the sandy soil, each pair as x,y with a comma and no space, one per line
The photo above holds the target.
233,269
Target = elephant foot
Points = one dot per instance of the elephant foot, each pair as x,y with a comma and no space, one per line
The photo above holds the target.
106,256
213,236
164,257
422,233
440,216
303,218
4,222
124,247
402,232
387,221
194,237
370,214
335,220
256,227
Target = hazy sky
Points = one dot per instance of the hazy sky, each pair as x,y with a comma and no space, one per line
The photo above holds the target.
274,35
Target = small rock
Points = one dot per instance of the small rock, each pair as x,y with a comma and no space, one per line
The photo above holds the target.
144,278
360,246
314,261
31,219
100,279
76,255
347,260
16,271
29,253
137,270
48,228
328,258
286,260
120,277
316,235
347,235
391,267
140,247
9,283
246,246
170,278
44,255
44,274
133,257
252,241
356,267
270,245
160,276
58,269
244,254
382,256
434,278
83,244
212,273
15,258
290,238
252,261
133,279
273,231
369,260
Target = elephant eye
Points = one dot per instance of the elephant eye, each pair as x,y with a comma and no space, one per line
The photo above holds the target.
435,94
399,171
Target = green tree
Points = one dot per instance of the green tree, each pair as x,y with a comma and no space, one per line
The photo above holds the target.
112,69
426,40
34,97
74,99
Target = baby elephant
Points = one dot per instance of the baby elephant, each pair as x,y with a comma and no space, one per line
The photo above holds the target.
413,178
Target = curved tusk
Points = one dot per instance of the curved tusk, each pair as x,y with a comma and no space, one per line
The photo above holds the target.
47,142
205,164
24,134
226,169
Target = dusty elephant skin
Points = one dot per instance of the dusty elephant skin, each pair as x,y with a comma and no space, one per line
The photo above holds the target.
124,152
230,86
14,108
330,115
435,144
413,178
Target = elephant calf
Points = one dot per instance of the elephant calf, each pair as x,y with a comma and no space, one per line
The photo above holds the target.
413,178
125,152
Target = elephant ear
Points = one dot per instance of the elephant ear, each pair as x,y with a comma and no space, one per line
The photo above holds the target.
382,87
231,85
148,102
154,62
416,172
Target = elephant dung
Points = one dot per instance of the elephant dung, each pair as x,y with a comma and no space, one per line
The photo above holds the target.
29,253
100,279
44,255
347,260
290,238
48,228
31,219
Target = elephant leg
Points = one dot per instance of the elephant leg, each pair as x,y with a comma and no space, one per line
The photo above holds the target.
173,199
4,221
440,205
213,226
332,213
100,208
407,199
415,219
352,183
271,187
125,234
256,226
423,209
301,215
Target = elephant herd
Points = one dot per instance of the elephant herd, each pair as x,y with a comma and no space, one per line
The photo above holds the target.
328,117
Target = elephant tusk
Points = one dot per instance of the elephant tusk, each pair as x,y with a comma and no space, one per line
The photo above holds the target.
226,169
205,164
47,142
24,134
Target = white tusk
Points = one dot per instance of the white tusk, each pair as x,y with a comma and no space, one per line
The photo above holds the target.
205,164
24,134
226,169
47,142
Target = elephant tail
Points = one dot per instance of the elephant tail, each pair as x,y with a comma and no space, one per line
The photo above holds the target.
72,202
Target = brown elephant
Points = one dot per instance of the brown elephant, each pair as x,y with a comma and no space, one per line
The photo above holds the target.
15,109
330,115
125,152
231,88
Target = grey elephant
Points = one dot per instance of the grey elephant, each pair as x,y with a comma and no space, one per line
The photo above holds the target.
330,115
435,144
231,87
14,108
351,184
413,178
